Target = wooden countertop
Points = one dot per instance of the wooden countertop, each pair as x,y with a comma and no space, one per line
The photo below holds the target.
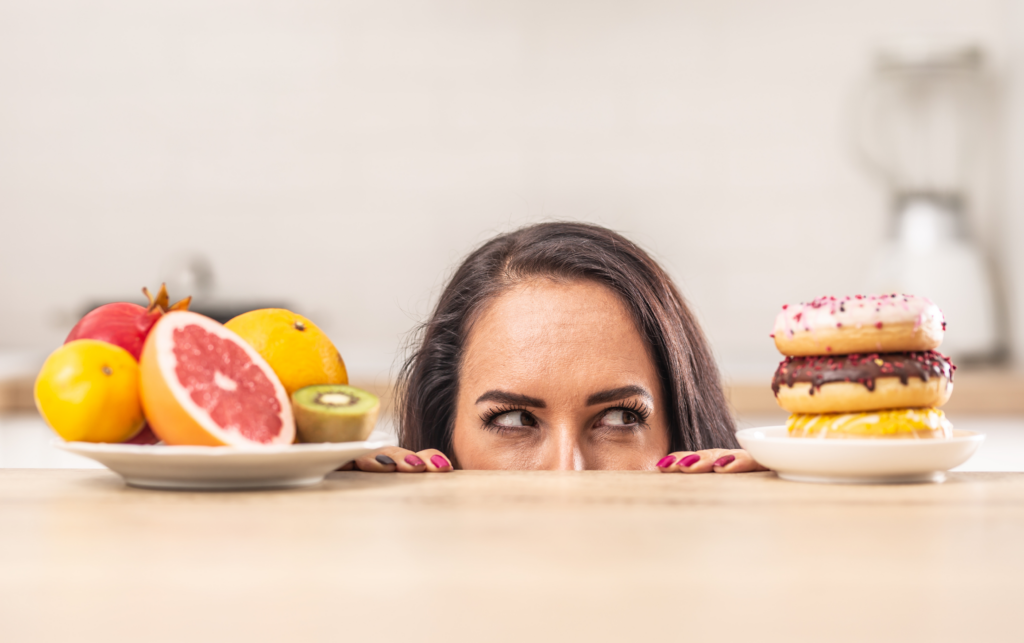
511,556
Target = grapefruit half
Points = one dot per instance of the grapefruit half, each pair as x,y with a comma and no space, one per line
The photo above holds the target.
202,384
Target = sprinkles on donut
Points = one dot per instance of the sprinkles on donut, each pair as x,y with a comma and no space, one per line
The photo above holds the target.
859,324
863,367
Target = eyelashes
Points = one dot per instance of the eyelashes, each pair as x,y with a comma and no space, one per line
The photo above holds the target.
496,412
633,406
640,409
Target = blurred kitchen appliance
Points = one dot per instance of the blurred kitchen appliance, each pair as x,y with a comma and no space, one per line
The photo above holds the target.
920,127
189,273
192,274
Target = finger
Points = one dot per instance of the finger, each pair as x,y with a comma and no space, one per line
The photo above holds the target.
670,463
348,466
736,461
701,461
388,459
435,460
369,462
408,462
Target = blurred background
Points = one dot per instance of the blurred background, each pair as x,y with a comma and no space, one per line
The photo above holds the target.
339,158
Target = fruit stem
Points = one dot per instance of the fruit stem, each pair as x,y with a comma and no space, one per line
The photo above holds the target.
159,302
181,305
162,300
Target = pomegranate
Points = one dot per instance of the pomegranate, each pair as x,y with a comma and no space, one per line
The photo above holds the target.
144,437
124,324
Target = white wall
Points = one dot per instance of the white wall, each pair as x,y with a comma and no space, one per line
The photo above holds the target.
1012,237
343,155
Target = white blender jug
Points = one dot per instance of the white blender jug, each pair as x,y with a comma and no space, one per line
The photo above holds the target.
920,127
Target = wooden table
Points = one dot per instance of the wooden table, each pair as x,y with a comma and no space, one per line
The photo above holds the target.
518,556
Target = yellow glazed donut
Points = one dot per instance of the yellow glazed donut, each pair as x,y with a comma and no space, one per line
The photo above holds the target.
894,424
861,324
851,383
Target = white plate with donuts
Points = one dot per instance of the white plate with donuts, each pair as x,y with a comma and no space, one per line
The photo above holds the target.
858,461
863,383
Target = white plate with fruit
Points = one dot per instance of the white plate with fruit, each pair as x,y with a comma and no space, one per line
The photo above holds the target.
222,468
228,401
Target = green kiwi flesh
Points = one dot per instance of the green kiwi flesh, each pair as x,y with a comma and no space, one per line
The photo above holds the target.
334,413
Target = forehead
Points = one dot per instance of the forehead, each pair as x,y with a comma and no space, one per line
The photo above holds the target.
557,335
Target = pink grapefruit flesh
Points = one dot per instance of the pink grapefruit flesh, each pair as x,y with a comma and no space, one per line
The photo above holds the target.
202,384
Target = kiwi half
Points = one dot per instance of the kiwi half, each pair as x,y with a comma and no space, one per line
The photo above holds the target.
334,413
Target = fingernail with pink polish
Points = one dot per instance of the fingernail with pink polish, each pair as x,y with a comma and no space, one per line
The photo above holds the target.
438,461
724,460
689,460
667,461
413,461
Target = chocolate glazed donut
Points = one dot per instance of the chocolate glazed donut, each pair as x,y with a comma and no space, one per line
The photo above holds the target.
871,382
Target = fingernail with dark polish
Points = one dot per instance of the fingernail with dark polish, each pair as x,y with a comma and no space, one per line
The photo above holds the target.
689,460
667,461
413,461
439,461
383,459
724,460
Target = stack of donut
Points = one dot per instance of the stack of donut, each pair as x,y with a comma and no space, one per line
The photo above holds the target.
863,367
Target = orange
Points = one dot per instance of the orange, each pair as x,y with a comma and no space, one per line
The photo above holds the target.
88,391
299,352
203,385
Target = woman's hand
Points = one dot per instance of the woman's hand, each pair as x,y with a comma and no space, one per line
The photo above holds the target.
709,460
391,459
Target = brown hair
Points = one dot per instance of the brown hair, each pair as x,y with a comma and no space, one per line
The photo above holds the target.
429,381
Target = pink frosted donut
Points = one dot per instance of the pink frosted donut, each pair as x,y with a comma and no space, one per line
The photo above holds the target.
860,324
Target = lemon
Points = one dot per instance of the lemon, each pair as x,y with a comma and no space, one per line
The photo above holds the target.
88,391
297,350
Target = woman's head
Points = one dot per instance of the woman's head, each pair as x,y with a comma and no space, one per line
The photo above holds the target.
558,342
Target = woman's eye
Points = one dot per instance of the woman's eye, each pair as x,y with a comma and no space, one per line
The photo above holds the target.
620,417
515,418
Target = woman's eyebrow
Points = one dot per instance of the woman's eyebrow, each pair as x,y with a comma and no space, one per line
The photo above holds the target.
504,397
613,394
